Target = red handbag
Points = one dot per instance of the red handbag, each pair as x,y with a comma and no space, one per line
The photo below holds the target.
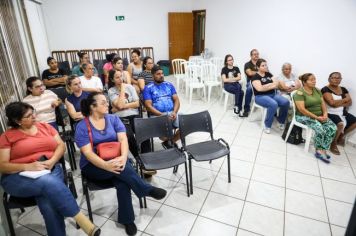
105,151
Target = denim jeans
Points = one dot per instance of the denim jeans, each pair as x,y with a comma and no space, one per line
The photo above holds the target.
248,97
235,88
53,197
272,102
125,181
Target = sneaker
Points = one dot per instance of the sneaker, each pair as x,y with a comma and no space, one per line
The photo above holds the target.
281,126
321,157
157,193
267,130
130,229
244,114
237,111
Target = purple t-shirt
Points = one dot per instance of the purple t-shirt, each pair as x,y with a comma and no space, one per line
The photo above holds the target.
113,125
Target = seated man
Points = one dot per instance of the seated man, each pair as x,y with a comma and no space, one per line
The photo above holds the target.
161,99
55,78
250,70
338,99
288,82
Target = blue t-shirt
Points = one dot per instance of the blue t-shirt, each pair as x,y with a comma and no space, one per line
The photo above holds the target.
76,100
113,125
160,95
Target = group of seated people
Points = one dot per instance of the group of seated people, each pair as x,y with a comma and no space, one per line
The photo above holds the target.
325,111
34,134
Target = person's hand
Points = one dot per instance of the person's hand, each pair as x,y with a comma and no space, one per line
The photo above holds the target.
173,116
35,166
49,164
322,119
113,166
121,162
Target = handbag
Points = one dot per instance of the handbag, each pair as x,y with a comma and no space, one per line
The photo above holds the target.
105,151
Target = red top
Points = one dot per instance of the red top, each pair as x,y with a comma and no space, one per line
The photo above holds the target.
26,148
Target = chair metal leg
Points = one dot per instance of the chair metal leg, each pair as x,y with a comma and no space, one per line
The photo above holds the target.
145,202
191,176
210,161
186,177
73,154
175,169
228,168
70,157
9,220
87,198
140,201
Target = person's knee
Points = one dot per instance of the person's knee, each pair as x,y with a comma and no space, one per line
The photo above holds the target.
340,126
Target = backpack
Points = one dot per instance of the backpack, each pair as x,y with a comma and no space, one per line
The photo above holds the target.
295,136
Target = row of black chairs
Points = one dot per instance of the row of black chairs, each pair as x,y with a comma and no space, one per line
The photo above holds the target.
149,128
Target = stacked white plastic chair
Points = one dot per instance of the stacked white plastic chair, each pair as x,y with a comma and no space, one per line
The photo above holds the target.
178,71
209,77
193,80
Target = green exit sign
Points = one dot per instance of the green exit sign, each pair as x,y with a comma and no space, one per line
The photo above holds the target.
120,18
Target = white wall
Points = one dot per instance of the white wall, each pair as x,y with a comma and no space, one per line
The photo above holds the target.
315,36
84,24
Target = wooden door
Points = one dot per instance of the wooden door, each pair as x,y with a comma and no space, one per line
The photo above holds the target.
180,35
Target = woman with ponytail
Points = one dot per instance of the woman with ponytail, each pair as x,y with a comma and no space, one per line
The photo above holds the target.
83,59
311,111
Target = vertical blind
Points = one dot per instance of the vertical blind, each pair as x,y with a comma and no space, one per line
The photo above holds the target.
13,65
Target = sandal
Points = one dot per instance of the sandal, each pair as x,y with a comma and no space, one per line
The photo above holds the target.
321,157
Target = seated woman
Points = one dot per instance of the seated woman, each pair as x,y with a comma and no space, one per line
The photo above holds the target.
231,76
118,65
83,59
338,99
23,148
109,128
135,68
145,77
90,83
108,66
311,111
264,87
288,82
44,101
74,87
55,78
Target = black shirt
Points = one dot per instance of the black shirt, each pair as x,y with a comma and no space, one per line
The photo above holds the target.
344,91
49,75
267,79
251,66
233,72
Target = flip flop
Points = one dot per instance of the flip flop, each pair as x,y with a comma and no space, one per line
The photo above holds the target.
321,157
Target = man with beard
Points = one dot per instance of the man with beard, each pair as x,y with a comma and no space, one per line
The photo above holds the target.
161,99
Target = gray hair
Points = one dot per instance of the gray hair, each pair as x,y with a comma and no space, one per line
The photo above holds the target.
286,64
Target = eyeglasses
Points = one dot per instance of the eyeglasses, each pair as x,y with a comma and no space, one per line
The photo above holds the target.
39,86
103,103
33,113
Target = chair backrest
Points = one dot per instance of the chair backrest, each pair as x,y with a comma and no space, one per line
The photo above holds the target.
73,58
124,53
177,66
208,73
196,60
219,63
99,54
293,104
111,50
152,127
197,122
60,56
193,73
148,52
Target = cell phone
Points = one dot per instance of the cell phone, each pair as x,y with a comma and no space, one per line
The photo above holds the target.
43,158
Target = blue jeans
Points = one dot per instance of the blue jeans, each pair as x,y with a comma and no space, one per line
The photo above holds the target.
128,179
272,102
235,88
53,198
248,97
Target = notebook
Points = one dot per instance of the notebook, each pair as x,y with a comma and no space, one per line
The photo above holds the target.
34,174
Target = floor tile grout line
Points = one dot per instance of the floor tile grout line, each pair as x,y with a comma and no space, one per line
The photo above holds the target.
285,195
326,206
352,169
248,186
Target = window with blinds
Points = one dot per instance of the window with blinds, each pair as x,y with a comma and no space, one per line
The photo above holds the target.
14,68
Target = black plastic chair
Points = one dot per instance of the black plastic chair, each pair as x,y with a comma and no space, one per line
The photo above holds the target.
161,126
202,151
12,202
96,185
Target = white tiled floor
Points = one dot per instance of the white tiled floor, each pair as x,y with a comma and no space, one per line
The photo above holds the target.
276,189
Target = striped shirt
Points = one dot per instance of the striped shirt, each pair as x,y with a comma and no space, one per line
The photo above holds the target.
43,106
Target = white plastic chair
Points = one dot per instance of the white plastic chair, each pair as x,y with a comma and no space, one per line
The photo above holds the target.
209,77
196,60
193,79
309,131
219,63
255,106
178,70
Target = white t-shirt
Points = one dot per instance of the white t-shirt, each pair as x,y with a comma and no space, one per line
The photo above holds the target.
93,82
